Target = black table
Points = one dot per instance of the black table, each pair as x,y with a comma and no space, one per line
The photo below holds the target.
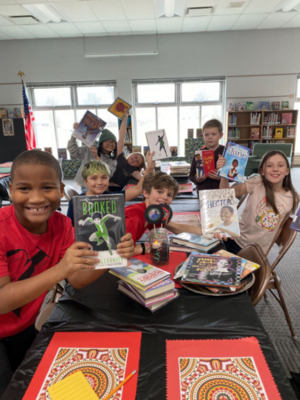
100,307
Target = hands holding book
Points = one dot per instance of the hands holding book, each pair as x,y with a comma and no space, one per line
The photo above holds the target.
126,247
95,152
150,162
221,162
214,175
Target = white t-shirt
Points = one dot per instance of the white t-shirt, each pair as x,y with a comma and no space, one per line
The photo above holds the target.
233,227
259,223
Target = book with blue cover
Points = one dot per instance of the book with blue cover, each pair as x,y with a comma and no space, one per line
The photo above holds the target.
295,225
236,161
89,128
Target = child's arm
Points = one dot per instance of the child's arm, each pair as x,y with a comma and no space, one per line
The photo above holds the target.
14,295
179,228
137,175
240,190
125,249
122,134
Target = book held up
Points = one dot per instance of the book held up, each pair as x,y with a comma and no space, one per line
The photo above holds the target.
236,160
158,142
89,128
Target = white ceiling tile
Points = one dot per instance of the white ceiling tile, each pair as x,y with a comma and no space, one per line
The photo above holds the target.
10,10
65,29
4,21
116,26
222,23
195,24
145,25
41,31
223,9
138,9
202,3
90,27
4,37
248,21
261,6
16,32
293,23
76,11
107,10
169,25
276,20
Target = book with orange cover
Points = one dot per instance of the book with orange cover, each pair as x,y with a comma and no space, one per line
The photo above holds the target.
208,159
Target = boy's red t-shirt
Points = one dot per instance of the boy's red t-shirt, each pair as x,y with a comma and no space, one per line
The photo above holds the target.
24,255
135,221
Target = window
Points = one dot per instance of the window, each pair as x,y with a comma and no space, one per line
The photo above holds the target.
176,107
57,108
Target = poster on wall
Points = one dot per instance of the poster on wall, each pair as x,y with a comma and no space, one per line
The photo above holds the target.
8,127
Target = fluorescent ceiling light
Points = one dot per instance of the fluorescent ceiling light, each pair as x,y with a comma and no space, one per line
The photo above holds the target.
289,5
44,12
121,54
169,8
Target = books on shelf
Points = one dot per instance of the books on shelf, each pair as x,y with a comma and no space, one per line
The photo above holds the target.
242,107
290,133
128,121
249,105
232,107
255,133
174,151
264,105
285,105
195,241
141,275
275,105
3,112
190,133
179,168
255,118
287,118
219,212
158,142
232,119
199,133
236,160
89,128
62,153
278,133
128,135
136,149
272,118
119,107
234,133
15,113
267,132
100,221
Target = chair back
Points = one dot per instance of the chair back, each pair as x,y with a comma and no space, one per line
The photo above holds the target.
70,192
254,253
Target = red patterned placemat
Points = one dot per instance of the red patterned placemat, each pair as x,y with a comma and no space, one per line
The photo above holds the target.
105,358
231,369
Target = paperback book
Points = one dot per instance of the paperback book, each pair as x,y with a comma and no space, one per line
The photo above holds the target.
232,107
276,105
287,118
174,151
236,160
119,107
186,188
195,241
242,106
158,142
140,274
62,153
8,127
190,133
10,113
166,285
295,225
18,112
205,162
89,128
199,133
278,133
264,105
290,133
255,133
212,271
250,105
285,105
3,112
248,266
100,221
219,212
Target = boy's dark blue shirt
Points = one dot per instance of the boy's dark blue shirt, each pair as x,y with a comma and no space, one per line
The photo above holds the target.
70,212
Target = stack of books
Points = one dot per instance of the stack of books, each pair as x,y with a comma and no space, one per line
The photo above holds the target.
186,242
147,285
179,168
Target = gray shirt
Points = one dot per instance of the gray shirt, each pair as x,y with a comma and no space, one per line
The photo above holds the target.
84,153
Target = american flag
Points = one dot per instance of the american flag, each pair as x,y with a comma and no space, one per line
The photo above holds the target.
28,114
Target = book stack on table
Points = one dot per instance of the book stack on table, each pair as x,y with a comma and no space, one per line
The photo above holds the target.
188,241
179,168
147,285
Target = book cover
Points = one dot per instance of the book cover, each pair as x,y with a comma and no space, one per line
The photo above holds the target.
164,286
186,188
8,127
48,150
212,271
255,133
136,149
232,107
296,222
236,160
287,118
219,212
158,142
10,113
278,133
199,133
62,153
3,112
190,133
285,105
276,105
140,274
100,221
195,241
242,107
250,105
290,132
249,266
18,112
263,105
89,128
118,107
174,151
208,159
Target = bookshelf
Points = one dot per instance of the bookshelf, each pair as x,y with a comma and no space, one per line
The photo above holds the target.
238,126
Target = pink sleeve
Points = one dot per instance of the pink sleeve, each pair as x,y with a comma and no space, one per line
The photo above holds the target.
253,183
69,237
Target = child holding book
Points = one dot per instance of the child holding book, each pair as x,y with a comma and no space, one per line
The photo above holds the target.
271,198
37,251
212,133
158,188
233,172
95,176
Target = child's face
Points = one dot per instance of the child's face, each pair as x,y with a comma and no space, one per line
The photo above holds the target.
225,215
211,137
97,183
158,196
275,169
135,160
108,146
35,193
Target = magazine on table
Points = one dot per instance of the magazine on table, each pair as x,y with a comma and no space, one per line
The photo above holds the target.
236,161
89,128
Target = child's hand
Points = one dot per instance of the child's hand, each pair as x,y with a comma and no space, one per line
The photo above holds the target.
214,175
126,247
201,178
75,125
126,114
150,162
221,162
95,152
76,258
220,236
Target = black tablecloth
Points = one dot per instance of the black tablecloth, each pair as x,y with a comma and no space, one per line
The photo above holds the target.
100,307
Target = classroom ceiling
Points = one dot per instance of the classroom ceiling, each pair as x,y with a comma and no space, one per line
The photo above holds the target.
136,17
